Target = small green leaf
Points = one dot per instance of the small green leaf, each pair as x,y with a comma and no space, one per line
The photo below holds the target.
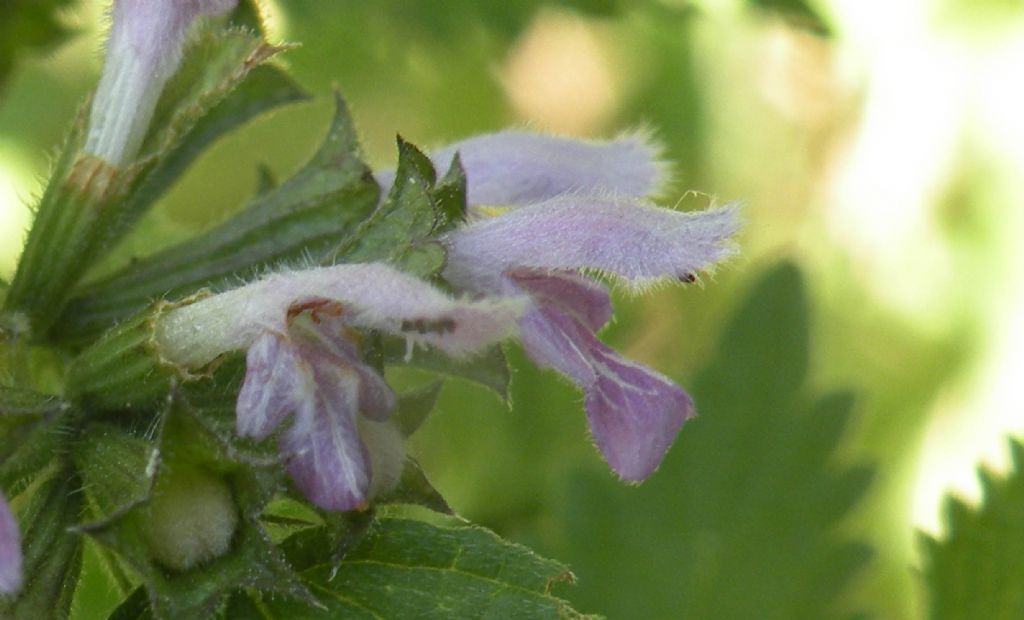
28,25
450,197
52,554
976,571
403,229
406,568
300,220
800,12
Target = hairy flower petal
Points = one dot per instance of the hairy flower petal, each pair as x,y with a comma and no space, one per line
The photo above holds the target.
370,295
634,412
328,462
637,242
274,380
578,296
515,168
10,551
334,343
143,51
315,372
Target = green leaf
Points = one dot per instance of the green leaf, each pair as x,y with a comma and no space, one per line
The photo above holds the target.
742,519
403,229
122,470
800,12
976,571
450,196
406,568
301,220
28,26
52,554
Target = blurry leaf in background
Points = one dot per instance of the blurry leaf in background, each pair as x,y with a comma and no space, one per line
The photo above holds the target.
740,521
28,26
977,569
506,18
977,15
800,12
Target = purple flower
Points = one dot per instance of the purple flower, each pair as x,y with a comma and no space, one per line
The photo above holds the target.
10,551
143,51
303,360
317,374
584,213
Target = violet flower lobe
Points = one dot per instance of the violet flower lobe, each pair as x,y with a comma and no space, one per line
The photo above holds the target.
10,551
516,168
572,220
143,52
303,360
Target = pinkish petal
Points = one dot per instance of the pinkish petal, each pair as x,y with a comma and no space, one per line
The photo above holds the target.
377,401
275,377
10,551
634,412
578,296
143,51
331,340
637,242
328,462
515,168
373,296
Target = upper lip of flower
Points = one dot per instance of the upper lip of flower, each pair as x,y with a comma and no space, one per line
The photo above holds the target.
372,295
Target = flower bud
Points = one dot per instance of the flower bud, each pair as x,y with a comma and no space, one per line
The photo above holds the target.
143,52
190,519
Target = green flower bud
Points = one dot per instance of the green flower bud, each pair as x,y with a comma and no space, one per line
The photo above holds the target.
190,519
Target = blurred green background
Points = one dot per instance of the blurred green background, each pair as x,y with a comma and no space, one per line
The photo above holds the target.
851,366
